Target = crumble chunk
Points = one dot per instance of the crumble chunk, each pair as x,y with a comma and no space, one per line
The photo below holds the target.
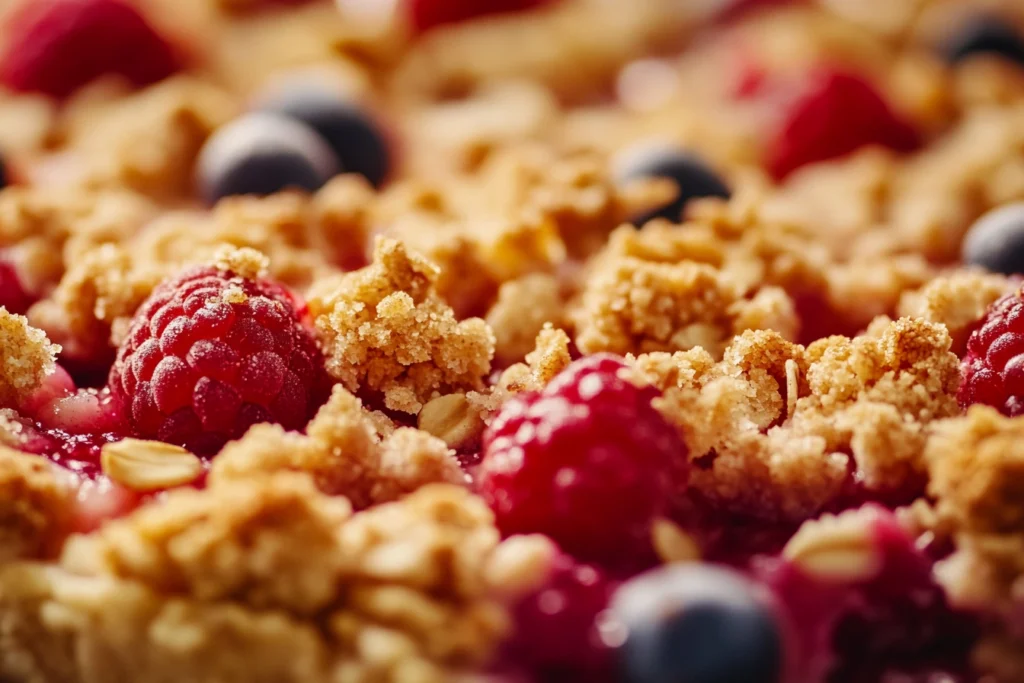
958,301
345,454
976,464
637,305
278,582
49,230
384,329
522,309
27,357
865,403
33,507
146,141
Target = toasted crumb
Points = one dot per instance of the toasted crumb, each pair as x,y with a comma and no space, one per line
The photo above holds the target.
244,262
34,507
384,329
273,574
27,355
957,300
523,307
643,303
345,455
869,400
148,141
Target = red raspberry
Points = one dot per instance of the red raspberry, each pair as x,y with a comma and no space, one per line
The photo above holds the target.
588,461
837,113
57,46
556,633
427,14
209,354
13,296
993,370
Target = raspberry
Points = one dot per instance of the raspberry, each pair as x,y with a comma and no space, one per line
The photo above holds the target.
13,296
427,14
556,633
993,370
57,46
209,354
588,461
836,114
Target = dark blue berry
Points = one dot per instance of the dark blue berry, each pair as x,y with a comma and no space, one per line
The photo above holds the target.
694,178
350,130
985,34
261,154
694,623
996,241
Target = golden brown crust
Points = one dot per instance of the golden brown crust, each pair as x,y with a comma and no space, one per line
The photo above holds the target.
865,402
384,329
26,358
404,588
34,507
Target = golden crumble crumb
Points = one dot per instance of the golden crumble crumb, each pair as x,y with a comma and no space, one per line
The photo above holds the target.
244,262
957,300
384,329
27,355
100,288
869,400
976,465
634,304
522,308
34,507
148,141
302,589
344,453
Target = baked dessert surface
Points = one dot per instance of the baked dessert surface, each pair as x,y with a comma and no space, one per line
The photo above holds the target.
521,341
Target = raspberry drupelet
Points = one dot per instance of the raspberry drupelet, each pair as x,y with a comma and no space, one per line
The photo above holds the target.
588,461
993,369
211,353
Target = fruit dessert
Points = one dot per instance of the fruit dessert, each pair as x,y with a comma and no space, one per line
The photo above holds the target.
521,341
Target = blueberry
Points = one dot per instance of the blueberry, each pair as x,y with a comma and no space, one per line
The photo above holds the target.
262,154
988,34
694,624
347,127
996,240
693,177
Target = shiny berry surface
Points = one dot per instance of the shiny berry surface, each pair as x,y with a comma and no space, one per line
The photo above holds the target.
210,354
57,46
835,113
993,370
556,631
588,461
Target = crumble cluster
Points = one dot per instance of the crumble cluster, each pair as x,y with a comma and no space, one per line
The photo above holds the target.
976,468
774,428
384,329
348,451
305,589
26,357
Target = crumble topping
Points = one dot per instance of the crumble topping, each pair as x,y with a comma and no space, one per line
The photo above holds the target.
384,329
33,507
27,357
344,453
865,402
244,262
307,590
146,141
522,309
976,465
957,300
635,305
